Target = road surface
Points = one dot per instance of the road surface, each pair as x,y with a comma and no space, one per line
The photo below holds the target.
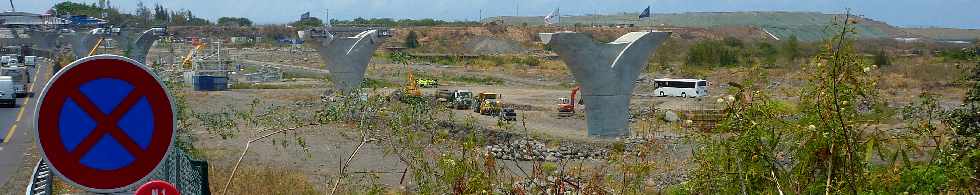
17,127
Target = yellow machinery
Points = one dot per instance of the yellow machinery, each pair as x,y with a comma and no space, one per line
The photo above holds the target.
96,47
486,100
188,60
412,85
490,107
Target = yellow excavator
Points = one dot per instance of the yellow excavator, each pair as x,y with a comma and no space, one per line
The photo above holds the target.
188,61
411,85
410,92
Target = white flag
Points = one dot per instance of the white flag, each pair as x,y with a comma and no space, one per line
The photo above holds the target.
552,18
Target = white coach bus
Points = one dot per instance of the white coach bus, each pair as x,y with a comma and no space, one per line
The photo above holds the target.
681,87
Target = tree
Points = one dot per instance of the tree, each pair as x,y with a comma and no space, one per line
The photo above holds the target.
233,21
791,48
965,122
144,13
412,40
767,52
713,53
311,22
881,58
160,14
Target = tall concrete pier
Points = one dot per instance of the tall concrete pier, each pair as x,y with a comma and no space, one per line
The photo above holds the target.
46,40
83,42
141,46
606,73
346,57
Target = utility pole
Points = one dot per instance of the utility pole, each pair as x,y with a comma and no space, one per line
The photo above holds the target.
517,8
327,19
12,6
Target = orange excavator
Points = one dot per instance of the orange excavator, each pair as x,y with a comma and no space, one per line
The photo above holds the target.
566,106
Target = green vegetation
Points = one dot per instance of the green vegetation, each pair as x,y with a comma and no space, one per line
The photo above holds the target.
236,22
731,52
711,53
402,22
412,40
827,143
143,17
306,23
881,58
807,26
791,49
965,54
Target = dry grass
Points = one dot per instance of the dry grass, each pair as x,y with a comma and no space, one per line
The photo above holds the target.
262,180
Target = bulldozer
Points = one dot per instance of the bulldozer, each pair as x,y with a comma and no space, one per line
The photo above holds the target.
481,101
566,106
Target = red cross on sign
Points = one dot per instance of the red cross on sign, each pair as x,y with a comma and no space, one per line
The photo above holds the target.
104,123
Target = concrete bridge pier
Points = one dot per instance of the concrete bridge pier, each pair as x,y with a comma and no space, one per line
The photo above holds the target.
346,57
83,42
606,73
141,46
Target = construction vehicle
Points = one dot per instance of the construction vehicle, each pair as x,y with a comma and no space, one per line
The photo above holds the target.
30,61
508,114
490,107
4,60
480,98
566,106
188,61
427,83
456,99
7,96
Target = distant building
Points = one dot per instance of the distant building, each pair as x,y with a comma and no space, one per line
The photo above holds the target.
21,19
83,20
242,40
908,39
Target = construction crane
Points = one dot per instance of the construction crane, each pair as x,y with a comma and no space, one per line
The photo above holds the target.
188,61
566,106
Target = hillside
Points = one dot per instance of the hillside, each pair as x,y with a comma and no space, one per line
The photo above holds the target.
948,34
808,26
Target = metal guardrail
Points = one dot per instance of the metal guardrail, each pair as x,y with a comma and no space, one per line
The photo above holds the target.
40,180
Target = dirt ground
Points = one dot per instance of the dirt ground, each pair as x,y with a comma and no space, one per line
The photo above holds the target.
533,91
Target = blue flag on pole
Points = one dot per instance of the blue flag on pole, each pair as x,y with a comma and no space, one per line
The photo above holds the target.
304,16
646,13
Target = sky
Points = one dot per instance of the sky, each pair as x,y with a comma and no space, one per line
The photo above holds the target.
906,13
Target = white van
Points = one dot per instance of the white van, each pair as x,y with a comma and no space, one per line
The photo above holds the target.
681,87
7,95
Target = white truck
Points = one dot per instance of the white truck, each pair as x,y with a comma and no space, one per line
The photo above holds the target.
7,95
20,78
5,59
30,61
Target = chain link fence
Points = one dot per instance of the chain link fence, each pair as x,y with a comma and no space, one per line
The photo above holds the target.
188,175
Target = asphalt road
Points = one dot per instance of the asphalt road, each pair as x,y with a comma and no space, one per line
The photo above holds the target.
17,127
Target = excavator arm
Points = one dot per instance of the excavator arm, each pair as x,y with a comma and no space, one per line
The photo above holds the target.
572,97
190,56
96,47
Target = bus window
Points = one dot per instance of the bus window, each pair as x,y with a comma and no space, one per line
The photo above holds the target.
686,84
702,83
